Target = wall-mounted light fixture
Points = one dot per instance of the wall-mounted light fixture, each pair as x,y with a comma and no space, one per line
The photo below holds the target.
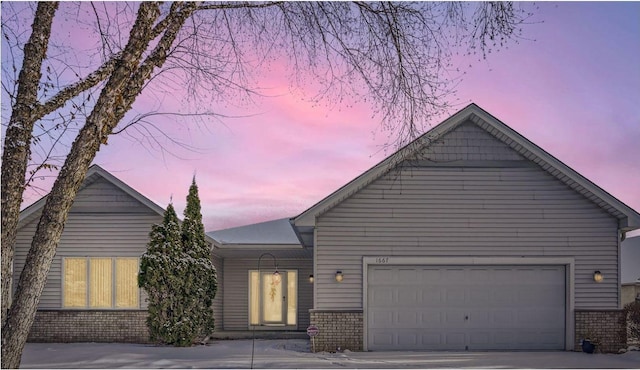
339,276
597,276
311,279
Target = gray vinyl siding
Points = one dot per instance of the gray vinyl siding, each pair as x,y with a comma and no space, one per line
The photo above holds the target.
97,233
218,300
468,142
236,290
101,196
515,210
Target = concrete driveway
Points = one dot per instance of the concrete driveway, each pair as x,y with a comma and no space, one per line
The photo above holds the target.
294,353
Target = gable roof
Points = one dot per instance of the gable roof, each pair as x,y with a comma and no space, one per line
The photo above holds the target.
629,219
95,173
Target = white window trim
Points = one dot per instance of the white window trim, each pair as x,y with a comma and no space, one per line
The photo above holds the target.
88,275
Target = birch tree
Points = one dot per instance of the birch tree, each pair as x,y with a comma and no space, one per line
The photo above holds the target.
394,56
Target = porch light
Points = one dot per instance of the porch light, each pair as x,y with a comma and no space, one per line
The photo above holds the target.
276,276
339,276
597,276
311,278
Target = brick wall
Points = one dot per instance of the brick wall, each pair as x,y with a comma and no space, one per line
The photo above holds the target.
608,327
90,326
338,329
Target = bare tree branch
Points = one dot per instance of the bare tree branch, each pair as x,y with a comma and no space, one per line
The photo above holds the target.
395,56
239,5
63,96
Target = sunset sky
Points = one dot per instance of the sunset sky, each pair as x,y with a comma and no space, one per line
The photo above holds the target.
572,87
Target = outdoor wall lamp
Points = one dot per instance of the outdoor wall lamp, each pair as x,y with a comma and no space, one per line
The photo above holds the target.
311,278
597,276
276,274
339,276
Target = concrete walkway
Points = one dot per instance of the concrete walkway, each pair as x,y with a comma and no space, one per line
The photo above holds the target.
294,353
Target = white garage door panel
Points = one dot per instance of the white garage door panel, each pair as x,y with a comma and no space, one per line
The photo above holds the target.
465,307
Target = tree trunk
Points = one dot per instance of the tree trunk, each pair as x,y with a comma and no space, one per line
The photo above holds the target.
17,141
43,247
116,98
99,124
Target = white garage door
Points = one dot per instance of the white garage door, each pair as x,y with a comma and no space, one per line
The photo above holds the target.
465,307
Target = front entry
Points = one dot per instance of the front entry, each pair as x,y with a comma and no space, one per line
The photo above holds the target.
272,298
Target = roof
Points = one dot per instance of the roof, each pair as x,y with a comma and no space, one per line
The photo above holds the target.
270,233
94,173
628,218
277,237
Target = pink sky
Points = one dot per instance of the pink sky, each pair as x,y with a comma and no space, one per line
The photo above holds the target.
574,91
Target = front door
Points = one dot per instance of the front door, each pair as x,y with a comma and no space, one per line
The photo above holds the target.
272,298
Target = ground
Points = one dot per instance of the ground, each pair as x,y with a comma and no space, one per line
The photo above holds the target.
294,353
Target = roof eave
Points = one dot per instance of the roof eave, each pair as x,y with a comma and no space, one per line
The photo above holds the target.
27,214
632,217
260,246
629,223
308,217
479,116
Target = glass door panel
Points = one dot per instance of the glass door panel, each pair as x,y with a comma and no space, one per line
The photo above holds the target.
273,298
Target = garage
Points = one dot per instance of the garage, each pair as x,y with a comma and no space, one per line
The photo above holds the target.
479,307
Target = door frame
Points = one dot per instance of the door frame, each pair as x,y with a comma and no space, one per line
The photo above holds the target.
261,325
568,262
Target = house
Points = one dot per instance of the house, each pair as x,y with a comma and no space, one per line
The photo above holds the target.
630,259
469,238
92,290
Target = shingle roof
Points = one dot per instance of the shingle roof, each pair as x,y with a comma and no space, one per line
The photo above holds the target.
275,232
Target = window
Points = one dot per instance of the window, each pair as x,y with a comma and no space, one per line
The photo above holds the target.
273,301
100,282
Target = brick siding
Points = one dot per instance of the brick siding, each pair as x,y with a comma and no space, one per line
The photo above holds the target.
341,329
90,326
606,327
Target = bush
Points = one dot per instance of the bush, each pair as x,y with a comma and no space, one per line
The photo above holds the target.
632,312
179,277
